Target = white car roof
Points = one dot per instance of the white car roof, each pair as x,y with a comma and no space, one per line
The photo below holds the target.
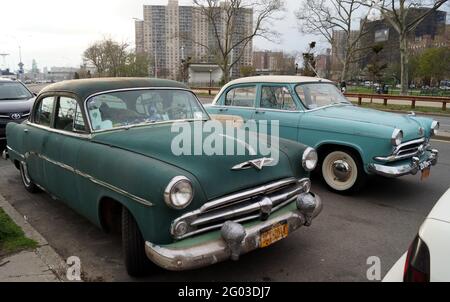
277,79
441,210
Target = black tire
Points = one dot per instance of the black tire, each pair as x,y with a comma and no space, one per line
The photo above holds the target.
133,244
29,185
355,182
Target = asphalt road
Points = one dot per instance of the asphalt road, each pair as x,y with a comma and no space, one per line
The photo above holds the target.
380,221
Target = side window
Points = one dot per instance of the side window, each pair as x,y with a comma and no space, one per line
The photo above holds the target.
241,96
277,97
44,111
69,116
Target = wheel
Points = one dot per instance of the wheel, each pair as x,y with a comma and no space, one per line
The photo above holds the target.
342,171
29,185
133,244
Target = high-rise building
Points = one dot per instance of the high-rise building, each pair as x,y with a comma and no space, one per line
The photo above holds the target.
172,33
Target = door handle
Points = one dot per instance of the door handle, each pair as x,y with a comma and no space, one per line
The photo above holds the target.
25,130
223,109
260,112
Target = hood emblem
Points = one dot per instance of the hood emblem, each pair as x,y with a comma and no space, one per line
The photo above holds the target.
15,116
258,164
421,131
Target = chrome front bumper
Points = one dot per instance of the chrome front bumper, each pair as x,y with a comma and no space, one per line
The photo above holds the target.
405,169
234,239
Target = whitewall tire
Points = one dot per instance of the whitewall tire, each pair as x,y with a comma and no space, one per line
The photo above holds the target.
342,171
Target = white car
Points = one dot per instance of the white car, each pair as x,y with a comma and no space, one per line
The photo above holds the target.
427,257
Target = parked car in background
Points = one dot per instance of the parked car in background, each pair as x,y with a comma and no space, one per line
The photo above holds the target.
427,258
15,103
352,142
104,146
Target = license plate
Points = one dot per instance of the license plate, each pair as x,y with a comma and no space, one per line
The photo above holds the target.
425,173
274,234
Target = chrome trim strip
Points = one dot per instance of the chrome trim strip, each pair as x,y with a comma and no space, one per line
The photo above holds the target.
134,89
92,179
16,152
63,132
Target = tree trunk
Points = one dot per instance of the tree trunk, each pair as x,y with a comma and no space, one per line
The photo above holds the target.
344,70
404,64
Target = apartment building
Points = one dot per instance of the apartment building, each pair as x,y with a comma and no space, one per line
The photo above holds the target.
172,33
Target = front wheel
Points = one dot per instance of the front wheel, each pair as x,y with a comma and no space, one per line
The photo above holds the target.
29,185
136,261
342,171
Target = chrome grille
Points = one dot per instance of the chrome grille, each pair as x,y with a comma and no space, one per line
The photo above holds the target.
240,207
410,149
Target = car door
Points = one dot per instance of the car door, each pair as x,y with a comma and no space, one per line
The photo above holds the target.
63,148
276,103
35,138
237,100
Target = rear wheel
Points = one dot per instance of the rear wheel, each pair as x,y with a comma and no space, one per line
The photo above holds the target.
342,171
29,185
136,261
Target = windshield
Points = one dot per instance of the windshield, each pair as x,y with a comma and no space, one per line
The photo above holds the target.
136,107
13,91
316,95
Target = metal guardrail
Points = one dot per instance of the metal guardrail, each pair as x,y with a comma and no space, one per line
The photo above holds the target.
411,98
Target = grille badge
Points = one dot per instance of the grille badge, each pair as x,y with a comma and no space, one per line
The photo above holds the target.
15,116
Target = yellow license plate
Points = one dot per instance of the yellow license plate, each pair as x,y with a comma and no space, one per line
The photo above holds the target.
274,234
426,173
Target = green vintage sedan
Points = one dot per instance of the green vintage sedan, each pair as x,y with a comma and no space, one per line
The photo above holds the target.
105,147
352,142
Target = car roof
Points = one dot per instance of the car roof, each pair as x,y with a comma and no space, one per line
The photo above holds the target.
87,87
278,79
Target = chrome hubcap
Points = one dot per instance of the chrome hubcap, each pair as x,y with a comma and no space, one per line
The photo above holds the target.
341,170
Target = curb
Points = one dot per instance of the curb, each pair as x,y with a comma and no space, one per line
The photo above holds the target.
44,251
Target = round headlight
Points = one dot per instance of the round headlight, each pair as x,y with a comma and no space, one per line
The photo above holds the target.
397,137
309,159
434,127
179,193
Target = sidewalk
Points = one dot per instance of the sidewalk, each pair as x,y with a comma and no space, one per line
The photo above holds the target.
40,265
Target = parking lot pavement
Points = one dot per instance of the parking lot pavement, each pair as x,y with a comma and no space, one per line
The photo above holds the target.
380,221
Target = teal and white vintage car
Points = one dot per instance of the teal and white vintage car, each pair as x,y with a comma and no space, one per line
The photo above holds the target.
104,147
352,142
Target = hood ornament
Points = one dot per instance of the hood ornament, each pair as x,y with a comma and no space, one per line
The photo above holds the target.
421,131
258,164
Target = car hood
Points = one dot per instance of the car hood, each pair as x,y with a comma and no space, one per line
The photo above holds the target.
13,106
408,124
213,172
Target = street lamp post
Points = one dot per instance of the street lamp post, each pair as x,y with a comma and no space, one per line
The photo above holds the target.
210,80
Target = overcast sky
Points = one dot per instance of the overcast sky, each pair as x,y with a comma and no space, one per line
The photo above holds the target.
55,33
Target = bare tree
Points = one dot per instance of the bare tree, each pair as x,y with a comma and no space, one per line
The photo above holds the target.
324,17
230,38
398,14
107,56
